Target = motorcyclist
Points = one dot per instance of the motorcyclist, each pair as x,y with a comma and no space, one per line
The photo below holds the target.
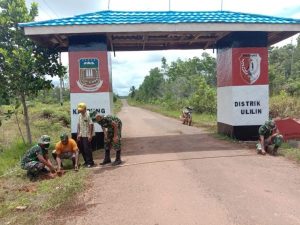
186,116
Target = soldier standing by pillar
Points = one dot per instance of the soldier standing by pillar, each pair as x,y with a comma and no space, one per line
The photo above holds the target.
112,128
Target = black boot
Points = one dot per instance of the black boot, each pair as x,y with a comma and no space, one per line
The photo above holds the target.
106,159
275,151
33,176
118,159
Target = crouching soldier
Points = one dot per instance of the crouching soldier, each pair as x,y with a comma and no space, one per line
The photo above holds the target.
66,148
112,128
36,159
269,135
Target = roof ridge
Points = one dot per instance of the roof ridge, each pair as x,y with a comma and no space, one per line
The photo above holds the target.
138,17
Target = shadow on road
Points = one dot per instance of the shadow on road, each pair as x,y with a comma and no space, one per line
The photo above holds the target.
176,144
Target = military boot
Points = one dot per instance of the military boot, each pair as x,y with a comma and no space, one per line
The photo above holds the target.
106,159
32,175
275,151
118,159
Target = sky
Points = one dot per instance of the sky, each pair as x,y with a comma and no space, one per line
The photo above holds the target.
130,68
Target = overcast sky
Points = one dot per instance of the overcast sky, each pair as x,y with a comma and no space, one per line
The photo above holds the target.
130,68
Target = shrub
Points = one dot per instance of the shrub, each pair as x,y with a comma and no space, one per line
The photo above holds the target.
47,113
65,119
283,105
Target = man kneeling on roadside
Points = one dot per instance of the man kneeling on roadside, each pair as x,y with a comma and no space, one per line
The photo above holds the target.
269,135
66,148
36,158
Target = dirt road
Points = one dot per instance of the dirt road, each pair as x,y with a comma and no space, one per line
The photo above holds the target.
178,175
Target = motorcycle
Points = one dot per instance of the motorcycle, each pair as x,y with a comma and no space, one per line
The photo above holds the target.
186,116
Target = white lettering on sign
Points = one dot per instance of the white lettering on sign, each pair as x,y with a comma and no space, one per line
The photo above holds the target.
243,105
98,110
101,102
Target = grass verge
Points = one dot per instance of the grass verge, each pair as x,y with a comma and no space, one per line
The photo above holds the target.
290,152
117,106
22,201
11,156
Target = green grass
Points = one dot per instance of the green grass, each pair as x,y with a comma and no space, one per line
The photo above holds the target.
117,106
61,189
51,119
11,156
39,197
290,152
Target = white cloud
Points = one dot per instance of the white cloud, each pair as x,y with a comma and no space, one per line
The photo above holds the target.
130,68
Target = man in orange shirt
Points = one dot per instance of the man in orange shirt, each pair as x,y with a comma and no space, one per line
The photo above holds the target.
66,149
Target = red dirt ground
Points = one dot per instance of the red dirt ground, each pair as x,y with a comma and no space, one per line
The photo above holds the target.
179,175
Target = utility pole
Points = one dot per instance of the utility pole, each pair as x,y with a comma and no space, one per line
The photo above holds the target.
169,5
221,5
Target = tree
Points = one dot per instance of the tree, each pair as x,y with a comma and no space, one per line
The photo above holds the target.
26,64
284,69
3,91
204,98
152,86
132,92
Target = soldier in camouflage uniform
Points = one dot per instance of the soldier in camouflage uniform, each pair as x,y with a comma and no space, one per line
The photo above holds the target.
269,135
36,158
112,128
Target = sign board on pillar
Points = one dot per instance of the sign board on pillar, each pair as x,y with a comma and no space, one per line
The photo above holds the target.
90,82
243,90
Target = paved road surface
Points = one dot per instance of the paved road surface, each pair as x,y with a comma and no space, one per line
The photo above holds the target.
178,175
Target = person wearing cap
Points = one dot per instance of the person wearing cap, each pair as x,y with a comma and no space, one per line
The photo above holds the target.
36,159
268,135
66,148
85,131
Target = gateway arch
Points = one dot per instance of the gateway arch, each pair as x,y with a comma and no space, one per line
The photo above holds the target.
241,41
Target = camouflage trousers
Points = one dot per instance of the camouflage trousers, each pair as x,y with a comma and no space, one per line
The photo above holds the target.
33,166
275,140
109,142
64,155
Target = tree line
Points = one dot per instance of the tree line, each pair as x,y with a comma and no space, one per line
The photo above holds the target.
193,82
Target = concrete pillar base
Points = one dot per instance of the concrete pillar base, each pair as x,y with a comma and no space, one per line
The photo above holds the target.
244,133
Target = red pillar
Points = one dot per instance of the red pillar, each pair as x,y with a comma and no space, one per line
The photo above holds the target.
243,86
90,79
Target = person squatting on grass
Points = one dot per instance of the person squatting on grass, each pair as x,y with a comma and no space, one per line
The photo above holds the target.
85,131
112,129
66,148
268,135
36,159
